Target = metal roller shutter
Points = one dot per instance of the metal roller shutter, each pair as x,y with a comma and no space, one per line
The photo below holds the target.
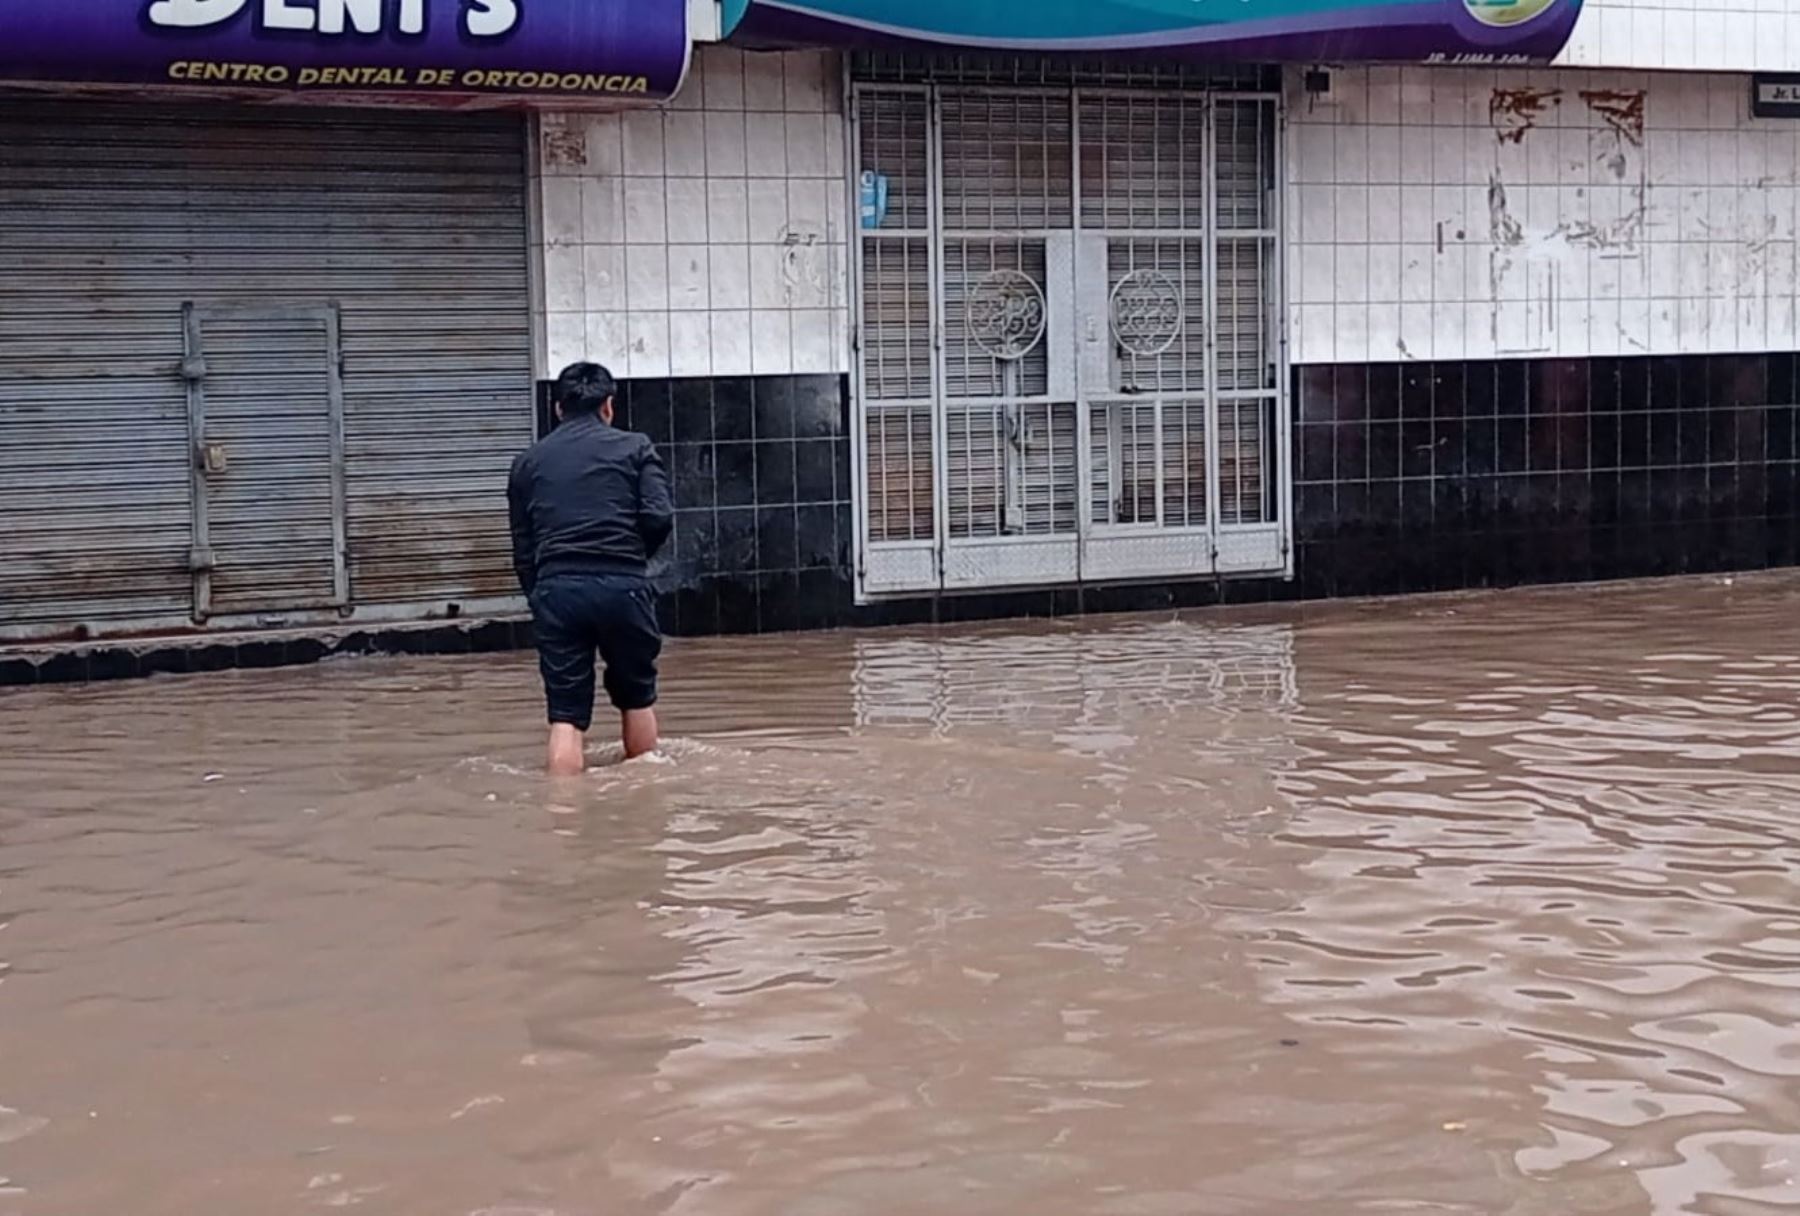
406,230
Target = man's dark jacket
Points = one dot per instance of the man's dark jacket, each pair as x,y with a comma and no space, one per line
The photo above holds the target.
588,499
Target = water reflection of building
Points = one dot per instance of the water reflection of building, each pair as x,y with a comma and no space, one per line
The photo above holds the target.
1067,677
918,954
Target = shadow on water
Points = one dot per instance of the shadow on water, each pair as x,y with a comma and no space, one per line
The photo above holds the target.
1480,905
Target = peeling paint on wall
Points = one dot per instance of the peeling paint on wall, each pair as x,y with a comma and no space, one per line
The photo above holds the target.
1525,266
1503,226
1623,214
564,143
1620,109
1529,326
1513,112
1622,116
1622,237
802,263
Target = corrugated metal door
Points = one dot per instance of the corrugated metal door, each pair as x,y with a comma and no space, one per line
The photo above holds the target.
266,411
116,218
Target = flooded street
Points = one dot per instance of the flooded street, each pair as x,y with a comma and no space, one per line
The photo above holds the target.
1469,905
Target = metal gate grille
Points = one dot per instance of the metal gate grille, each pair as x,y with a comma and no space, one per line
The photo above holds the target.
1066,362
1245,251
1148,401
897,427
1012,469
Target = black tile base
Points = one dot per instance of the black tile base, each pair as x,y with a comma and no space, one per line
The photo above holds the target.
1543,471
1410,477
763,514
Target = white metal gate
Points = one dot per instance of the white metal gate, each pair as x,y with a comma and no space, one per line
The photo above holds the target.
1067,367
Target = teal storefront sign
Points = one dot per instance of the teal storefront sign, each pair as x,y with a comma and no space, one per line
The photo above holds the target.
1271,30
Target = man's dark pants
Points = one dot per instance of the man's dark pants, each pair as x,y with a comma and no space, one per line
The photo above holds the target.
574,615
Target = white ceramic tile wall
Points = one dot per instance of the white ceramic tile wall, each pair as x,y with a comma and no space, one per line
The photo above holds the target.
1447,213
706,238
1697,35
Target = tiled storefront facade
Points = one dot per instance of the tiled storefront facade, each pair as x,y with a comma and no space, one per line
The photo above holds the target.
1535,325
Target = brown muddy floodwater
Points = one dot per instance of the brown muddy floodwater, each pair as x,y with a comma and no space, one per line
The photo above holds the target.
1476,905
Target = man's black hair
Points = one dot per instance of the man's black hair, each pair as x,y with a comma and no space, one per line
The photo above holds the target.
583,388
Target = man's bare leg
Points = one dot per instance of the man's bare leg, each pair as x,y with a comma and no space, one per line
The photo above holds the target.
637,730
567,754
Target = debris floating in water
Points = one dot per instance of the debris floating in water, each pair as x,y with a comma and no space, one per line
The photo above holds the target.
478,1103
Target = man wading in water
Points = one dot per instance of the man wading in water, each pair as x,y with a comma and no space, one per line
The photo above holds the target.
590,508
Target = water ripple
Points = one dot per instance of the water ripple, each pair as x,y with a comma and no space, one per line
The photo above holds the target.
1475,905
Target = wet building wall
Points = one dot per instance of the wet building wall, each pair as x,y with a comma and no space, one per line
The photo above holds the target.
1449,214
1541,324
1542,327
699,252
1545,325
704,239
1410,477
760,467
1478,473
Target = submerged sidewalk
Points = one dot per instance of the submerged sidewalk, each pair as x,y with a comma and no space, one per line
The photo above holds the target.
175,653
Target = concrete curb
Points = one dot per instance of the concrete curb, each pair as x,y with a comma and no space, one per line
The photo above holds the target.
135,658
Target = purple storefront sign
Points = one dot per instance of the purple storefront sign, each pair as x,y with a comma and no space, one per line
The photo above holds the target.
417,52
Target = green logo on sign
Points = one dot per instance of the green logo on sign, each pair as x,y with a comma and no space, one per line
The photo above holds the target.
1506,12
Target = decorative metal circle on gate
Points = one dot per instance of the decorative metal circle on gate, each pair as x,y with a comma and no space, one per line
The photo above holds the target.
1146,313
1006,314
